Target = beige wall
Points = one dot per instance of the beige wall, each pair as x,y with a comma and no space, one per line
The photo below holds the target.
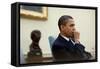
84,20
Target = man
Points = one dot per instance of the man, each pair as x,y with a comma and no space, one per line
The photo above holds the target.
67,46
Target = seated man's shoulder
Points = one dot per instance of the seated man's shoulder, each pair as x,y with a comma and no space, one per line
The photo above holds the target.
57,45
57,42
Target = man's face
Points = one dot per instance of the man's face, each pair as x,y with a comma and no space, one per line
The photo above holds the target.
69,28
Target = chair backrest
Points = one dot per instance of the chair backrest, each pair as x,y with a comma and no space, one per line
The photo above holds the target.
51,40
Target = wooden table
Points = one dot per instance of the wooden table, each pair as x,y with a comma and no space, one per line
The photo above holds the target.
38,59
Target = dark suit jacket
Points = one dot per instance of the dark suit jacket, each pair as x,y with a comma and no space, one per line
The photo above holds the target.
64,50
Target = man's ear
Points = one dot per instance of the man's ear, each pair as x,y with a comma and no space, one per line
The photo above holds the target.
62,27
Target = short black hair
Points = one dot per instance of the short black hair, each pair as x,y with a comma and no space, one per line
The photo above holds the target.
62,19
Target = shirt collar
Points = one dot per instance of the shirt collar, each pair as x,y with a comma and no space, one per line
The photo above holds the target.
65,37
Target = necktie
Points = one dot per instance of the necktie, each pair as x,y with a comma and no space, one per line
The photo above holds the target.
71,41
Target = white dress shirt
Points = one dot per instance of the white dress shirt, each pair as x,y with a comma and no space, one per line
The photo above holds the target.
68,39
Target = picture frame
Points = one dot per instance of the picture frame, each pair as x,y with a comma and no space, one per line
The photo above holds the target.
23,25
34,13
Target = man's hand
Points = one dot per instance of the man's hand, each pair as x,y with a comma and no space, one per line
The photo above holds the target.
76,36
